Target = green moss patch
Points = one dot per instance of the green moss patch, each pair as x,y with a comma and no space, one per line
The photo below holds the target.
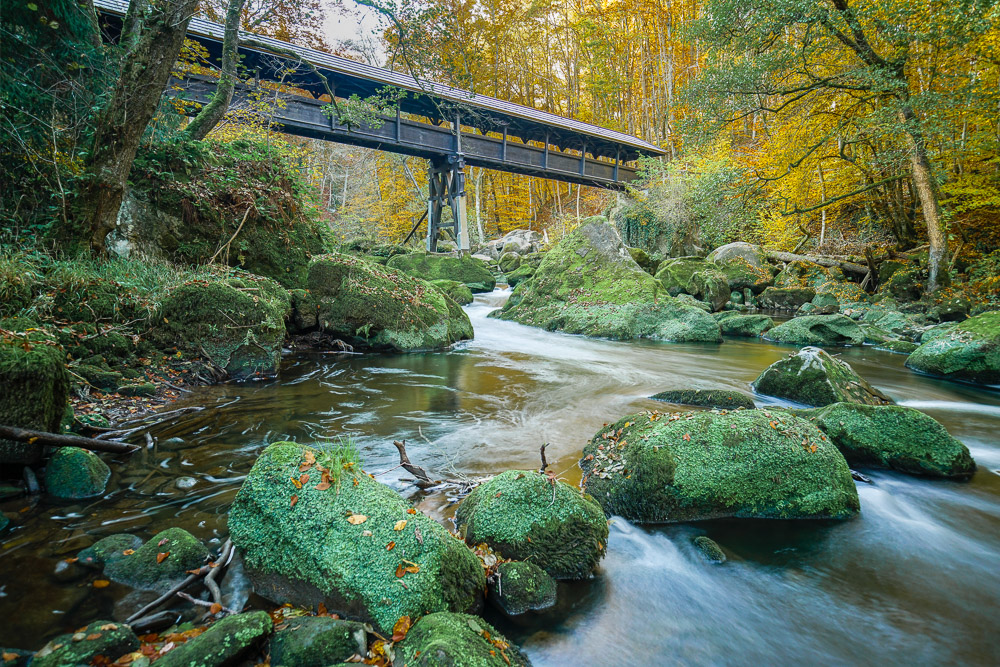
450,640
818,330
149,569
748,326
105,638
968,351
317,641
73,473
228,642
464,269
708,398
813,377
459,292
518,587
697,277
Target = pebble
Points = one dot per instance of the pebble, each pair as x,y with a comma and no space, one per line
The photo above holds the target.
185,483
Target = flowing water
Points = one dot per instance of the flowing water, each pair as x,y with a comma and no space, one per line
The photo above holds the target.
913,579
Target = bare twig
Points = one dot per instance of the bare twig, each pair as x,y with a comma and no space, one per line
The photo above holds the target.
203,603
541,452
423,479
210,584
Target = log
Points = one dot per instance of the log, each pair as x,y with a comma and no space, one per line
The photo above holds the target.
846,267
59,440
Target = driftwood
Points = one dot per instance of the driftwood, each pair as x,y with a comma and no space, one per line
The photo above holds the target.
42,438
847,267
423,479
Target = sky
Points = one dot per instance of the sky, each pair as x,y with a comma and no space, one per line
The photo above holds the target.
355,23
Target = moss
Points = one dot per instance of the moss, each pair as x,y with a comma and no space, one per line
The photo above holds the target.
708,398
894,436
457,640
891,321
307,552
382,308
509,261
818,330
100,638
141,569
786,298
317,641
802,274
465,269
458,292
643,259
897,346
19,278
76,473
519,587
751,326
709,549
813,377
654,468
98,377
903,285
742,274
522,273
229,641
523,516
138,389
968,351
696,277
107,549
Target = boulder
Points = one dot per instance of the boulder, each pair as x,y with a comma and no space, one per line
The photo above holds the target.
643,259
750,326
589,284
650,468
903,285
465,269
448,640
804,274
813,377
107,549
522,273
893,436
377,307
105,638
709,549
696,277
227,643
346,541
99,378
968,351
518,587
509,261
458,292
818,330
317,641
897,346
891,321
707,398
746,252
73,473
824,303
742,275
786,298
149,569
521,241
524,515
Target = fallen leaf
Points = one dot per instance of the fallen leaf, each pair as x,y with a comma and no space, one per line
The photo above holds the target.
323,486
303,479
215,608
162,556
295,499
296,483
162,542
93,636
101,583
128,552
321,610
411,511
400,629
10,657
400,525
687,437
356,519
390,546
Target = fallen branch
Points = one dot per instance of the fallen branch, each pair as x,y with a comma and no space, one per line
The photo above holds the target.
423,479
194,576
847,267
42,438
204,603
210,584
545,464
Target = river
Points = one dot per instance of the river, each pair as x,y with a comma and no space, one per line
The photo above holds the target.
912,580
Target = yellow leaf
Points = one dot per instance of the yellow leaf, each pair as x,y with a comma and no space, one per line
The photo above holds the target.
400,525
357,519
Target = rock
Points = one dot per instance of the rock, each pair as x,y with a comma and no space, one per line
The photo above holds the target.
372,306
484,258
449,640
521,241
893,436
589,284
708,398
897,346
458,292
818,330
688,300
903,285
740,250
140,389
107,638
696,277
73,473
108,549
317,641
813,377
426,266
802,274
66,572
185,483
643,259
35,391
786,298
750,326
951,309
509,261
891,321
522,273
521,515
825,304
706,465
313,545
228,642
709,549
148,569
15,657
519,587
98,377
968,351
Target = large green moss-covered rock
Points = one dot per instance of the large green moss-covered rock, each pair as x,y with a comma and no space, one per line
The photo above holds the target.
968,351
523,515
107,549
518,587
519,275
229,642
35,390
786,298
697,277
893,436
749,326
328,543
744,265
801,273
654,468
73,473
317,641
813,377
105,638
818,330
381,308
589,284
457,640
146,569
708,398
465,269
459,292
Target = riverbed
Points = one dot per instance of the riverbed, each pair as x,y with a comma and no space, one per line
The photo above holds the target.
913,579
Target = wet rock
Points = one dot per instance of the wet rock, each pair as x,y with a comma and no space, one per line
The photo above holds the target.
108,549
893,436
519,587
426,266
107,638
446,640
15,657
823,330
229,641
66,572
138,389
328,543
185,483
708,398
459,292
649,468
813,377
968,351
709,549
951,309
892,322
897,346
749,326
317,641
523,516
148,569
74,473
696,277
786,298
824,303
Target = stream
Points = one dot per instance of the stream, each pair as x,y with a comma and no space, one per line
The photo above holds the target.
913,579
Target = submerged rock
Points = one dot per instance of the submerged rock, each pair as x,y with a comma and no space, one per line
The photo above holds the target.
448,640
519,587
107,638
459,292
73,473
149,569
328,542
426,266
968,351
818,330
523,515
228,642
317,641
813,377
708,398
652,468
709,549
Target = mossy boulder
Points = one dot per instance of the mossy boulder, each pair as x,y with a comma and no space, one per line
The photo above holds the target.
519,275
148,569
523,515
786,298
138,389
707,398
643,259
697,277
449,640
100,638
107,549
99,378
227,643
509,261
518,587
752,254
35,390
651,468
317,641
744,265
380,308
458,292
237,321
893,436
73,473
897,346
748,326
968,351
800,273
709,549
465,269
328,543
891,321
813,377
818,330
903,285
589,284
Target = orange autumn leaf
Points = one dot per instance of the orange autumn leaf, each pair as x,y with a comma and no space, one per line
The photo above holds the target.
400,629
687,437
215,608
295,499
128,552
296,483
93,636
390,546
402,569
162,556
303,479
101,583
411,511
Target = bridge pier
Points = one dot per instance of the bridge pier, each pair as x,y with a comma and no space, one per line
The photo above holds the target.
446,183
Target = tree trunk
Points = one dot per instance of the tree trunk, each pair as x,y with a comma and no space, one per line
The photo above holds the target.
212,113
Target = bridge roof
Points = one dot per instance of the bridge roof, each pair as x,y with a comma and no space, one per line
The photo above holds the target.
427,98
